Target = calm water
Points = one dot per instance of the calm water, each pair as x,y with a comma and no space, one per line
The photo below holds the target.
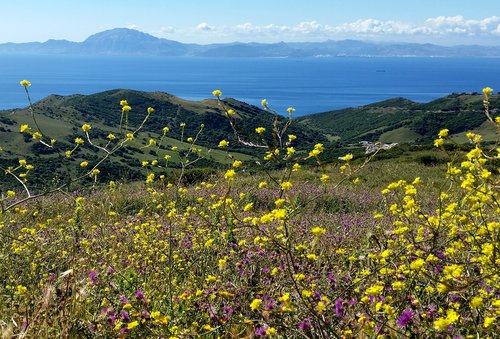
310,85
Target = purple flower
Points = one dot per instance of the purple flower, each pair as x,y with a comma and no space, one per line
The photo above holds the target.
260,331
405,318
123,300
331,277
92,277
305,325
112,318
139,294
339,308
124,315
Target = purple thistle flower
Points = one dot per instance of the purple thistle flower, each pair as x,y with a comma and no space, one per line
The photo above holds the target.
405,318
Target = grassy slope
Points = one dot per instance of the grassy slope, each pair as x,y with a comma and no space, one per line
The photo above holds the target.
401,120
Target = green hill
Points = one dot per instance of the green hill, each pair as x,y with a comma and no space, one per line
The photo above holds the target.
61,118
401,120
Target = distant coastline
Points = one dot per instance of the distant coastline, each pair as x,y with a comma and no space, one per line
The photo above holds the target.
124,41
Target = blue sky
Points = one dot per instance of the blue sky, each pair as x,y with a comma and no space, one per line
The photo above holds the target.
202,21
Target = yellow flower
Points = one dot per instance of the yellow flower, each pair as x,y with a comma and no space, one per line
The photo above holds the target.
271,331
86,127
291,137
130,136
24,128
260,130
11,194
438,142
150,110
229,174
487,91
207,327
317,231
296,167
21,289
230,112
223,143
285,186
299,276
441,324
476,302
25,83
321,307
37,135
126,108
111,136
443,133
84,164
347,157
183,124
132,325
417,264
262,184
165,130
123,103
374,290
488,321
312,256
237,163
255,304
264,103
217,93
79,141
325,177
290,110
319,147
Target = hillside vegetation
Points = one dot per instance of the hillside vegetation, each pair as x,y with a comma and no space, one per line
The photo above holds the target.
397,244
404,121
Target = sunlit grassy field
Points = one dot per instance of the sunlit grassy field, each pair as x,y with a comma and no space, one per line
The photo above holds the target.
352,248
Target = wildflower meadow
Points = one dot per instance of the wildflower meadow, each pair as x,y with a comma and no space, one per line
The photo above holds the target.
303,247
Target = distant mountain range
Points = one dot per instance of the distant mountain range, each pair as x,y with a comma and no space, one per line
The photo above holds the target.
124,41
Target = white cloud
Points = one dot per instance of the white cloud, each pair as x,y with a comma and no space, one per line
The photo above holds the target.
433,26
452,28
132,26
164,30
205,27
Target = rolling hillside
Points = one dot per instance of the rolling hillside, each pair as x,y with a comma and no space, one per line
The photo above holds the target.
61,118
404,121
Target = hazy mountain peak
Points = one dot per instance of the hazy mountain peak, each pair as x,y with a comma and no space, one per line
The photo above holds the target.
121,34
125,41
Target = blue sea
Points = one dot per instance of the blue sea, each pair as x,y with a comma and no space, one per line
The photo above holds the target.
310,84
